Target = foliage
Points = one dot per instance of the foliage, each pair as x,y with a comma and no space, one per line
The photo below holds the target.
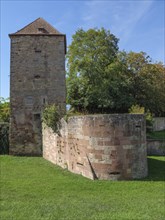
149,121
159,135
48,192
4,138
4,110
147,80
4,125
51,117
89,56
102,79
136,109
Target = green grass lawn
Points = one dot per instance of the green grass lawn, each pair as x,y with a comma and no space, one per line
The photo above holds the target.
160,135
34,189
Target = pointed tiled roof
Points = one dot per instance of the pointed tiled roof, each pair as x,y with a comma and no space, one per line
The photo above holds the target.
38,27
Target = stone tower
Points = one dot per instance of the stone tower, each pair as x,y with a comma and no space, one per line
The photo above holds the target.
37,78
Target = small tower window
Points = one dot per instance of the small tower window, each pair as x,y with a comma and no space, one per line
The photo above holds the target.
37,76
37,116
44,100
37,51
42,30
29,101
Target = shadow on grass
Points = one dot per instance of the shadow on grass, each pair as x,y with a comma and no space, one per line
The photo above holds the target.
156,170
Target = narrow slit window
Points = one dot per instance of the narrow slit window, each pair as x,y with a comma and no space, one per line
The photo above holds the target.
37,51
43,100
37,77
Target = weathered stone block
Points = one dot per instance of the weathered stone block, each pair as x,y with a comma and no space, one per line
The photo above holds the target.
112,157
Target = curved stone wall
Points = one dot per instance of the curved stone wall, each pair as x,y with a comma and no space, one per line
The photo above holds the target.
155,147
100,146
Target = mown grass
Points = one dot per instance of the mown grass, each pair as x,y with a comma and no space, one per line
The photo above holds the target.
34,189
160,135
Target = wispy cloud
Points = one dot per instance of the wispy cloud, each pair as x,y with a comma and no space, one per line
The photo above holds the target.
121,17
62,21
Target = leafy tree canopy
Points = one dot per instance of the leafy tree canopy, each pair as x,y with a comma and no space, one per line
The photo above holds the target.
102,79
147,80
4,110
89,57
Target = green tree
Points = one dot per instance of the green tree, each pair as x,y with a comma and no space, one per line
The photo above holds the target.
90,56
147,80
102,79
4,110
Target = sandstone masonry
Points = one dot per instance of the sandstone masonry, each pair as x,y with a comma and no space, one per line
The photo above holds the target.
155,147
96,146
37,78
100,146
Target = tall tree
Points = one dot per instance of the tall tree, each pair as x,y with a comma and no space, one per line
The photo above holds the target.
102,79
148,81
89,56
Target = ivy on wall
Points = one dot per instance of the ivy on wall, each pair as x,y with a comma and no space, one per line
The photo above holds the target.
51,116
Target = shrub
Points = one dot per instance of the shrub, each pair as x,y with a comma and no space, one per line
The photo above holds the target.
4,138
51,117
136,109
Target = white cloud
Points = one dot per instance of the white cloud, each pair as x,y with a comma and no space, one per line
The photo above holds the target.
121,17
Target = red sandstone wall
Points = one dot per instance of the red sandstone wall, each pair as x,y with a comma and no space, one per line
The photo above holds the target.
100,146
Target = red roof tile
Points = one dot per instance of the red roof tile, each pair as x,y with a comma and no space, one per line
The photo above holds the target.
38,27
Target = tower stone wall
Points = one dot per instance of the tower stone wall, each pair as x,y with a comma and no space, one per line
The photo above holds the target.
37,78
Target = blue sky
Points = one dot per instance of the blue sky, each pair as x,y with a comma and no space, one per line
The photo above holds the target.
139,24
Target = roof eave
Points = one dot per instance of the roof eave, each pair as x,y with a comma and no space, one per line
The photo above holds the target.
14,34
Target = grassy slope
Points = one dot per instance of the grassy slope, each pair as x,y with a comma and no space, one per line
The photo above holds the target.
34,189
